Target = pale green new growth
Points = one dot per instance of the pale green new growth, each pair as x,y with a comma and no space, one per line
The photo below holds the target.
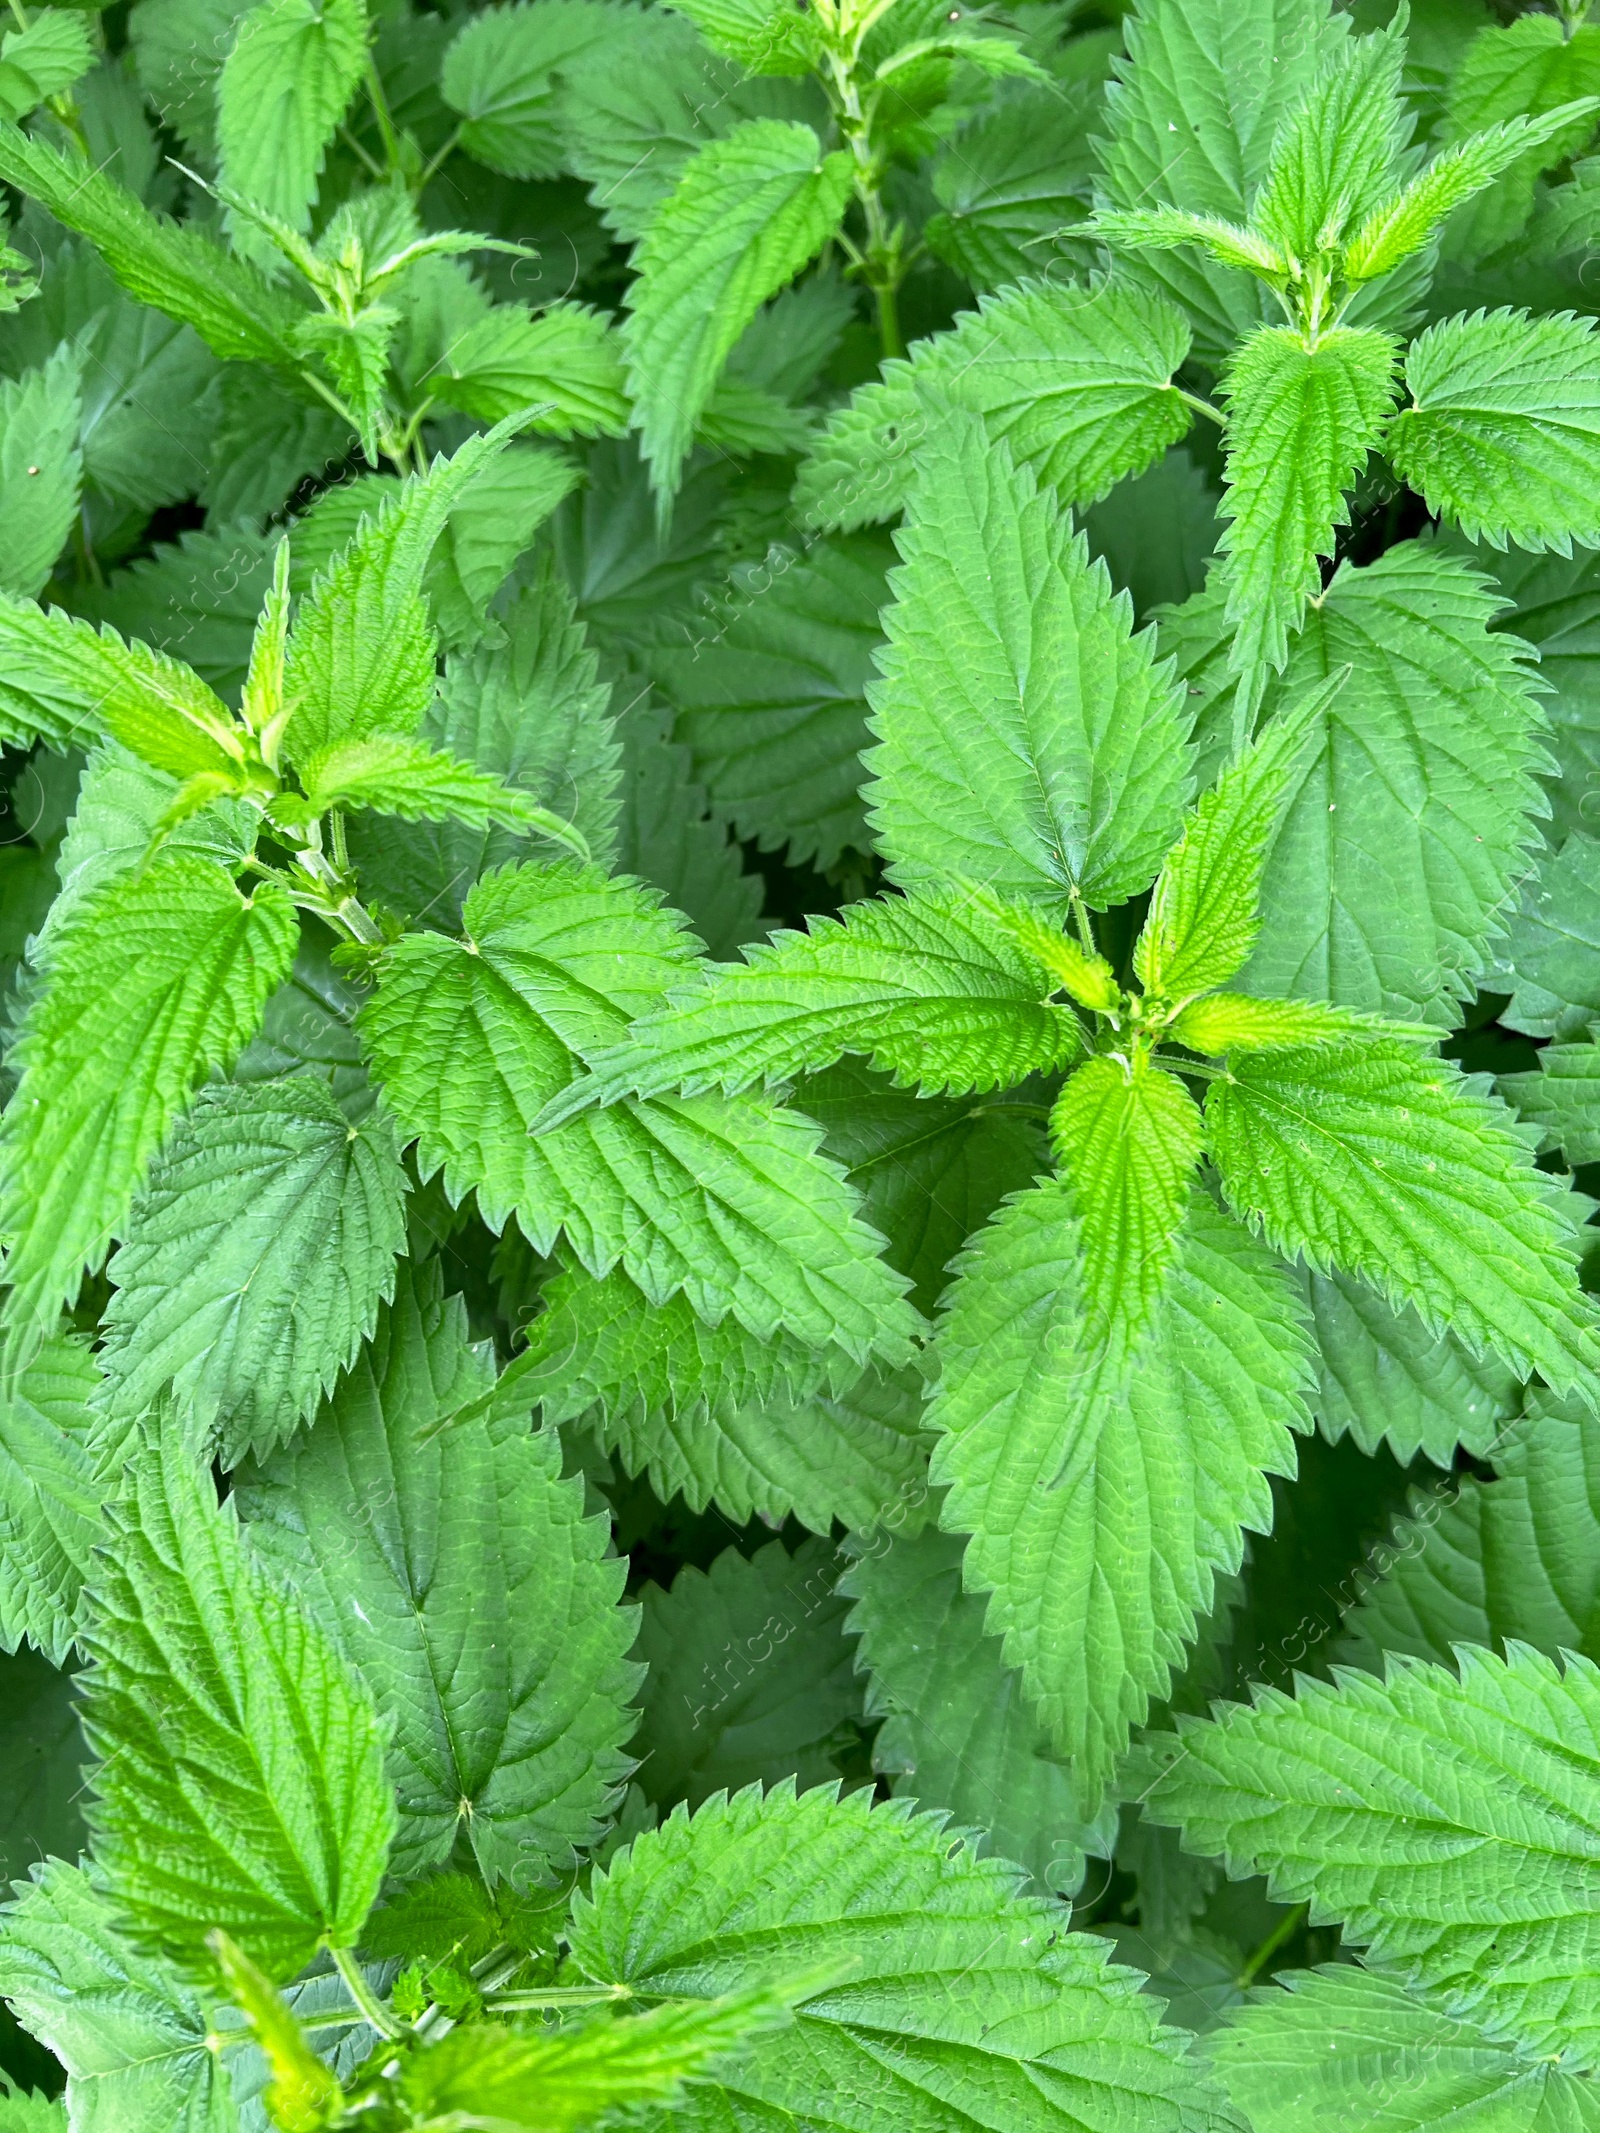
1301,422
525,2075
1401,226
934,989
1128,1138
392,776
1370,1156
1205,909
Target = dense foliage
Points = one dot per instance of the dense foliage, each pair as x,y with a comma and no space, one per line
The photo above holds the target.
801,946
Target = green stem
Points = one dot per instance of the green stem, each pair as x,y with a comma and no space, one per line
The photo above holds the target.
558,1996
380,111
373,2011
1202,407
1081,921
1284,1930
431,168
882,266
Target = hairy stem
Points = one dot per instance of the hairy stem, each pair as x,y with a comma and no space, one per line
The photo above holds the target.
373,2011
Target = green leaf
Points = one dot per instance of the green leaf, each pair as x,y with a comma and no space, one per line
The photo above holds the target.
1193,115
1385,1376
1404,224
762,35
633,114
1204,914
726,1200
957,1732
292,68
390,776
241,1777
1515,1559
51,1492
1345,2046
493,524
134,2038
770,697
502,73
73,681
1026,737
930,1169
361,653
1338,149
1077,382
121,803
1128,1139
1372,1157
1447,1823
665,835
932,988
1502,435
1562,1099
1526,68
1414,805
1164,229
25,2111
750,1675
1225,1022
457,1571
179,271
36,62
1549,952
530,711
1301,421
302,2089
564,369
197,600
1034,2029
1553,608
1105,1490
40,469
1014,185
763,1427
528,2075
166,972
746,215
254,1261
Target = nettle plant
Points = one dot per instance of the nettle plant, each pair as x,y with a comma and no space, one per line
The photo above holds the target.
600,1529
